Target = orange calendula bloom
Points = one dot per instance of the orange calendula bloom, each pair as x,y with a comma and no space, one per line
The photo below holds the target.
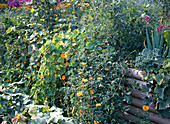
67,15
106,69
145,108
71,53
67,18
63,77
38,64
40,76
50,17
25,62
34,66
24,74
62,55
84,80
18,64
68,4
82,85
88,105
55,14
7,80
91,92
79,94
98,104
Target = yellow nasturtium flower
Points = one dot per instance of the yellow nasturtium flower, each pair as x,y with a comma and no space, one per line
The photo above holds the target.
83,63
80,73
84,80
79,94
98,104
18,64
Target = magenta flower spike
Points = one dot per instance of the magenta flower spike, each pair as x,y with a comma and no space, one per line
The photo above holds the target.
161,27
146,18
147,24
59,2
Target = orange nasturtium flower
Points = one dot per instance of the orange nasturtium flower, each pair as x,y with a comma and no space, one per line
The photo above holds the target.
71,53
79,94
106,69
62,55
25,62
40,76
91,78
7,80
145,108
38,64
80,112
91,92
88,105
84,80
63,77
82,85
98,104
96,122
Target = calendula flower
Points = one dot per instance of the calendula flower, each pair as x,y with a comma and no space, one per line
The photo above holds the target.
98,104
88,105
18,64
80,73
68,4
25,62
84,80
145,108
82,85
91,92
98,78
67,18
106,69
67,15
71,53
40,76
83,63
50,17
62,55
63,77
7,80
79,94
24,74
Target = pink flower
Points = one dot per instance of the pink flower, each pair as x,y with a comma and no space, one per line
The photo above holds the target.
59,2
161,27
147,24
146,18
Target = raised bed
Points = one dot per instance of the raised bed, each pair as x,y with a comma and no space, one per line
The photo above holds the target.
136,104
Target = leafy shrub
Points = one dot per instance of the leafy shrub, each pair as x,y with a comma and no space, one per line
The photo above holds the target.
95,91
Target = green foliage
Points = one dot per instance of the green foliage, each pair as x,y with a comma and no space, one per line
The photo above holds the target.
95,91
157,69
